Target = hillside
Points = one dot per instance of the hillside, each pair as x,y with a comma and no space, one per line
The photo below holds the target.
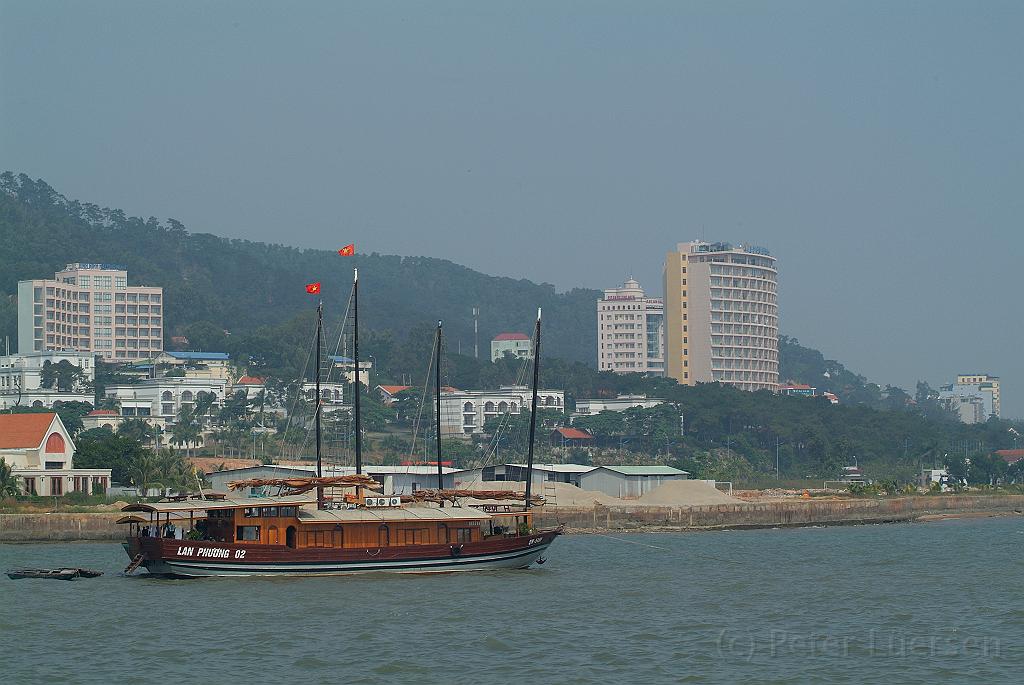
255,292
239,285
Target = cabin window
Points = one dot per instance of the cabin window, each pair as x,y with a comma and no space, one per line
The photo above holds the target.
268,512
248,533
413,536
464,534
442,532
252,512
383,536
288,511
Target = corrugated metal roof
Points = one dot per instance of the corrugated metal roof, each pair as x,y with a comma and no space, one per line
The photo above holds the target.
332,470
212,356
644,470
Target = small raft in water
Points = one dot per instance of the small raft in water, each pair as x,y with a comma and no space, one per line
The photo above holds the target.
55,573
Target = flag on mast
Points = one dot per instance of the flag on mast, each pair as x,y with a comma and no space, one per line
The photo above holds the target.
313,288
348,250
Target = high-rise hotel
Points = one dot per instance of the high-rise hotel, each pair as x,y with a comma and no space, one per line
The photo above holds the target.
91,308
630,331
721,316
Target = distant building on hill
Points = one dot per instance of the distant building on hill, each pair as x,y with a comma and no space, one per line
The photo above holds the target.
973,397
517,344
798,390
91,308
721,316
464,412
630,331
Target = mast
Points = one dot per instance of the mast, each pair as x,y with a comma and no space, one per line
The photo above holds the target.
355,355
319,468
533,410
437,396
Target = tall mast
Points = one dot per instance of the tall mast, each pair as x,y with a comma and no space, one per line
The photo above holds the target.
437,397
319,468
533,410
355,355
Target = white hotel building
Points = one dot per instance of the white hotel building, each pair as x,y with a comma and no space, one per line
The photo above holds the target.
630,331
91,308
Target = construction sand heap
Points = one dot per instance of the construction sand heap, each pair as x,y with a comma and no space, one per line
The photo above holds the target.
686,493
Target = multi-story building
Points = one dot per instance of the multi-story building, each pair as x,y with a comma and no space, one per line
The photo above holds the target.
973,397
630,331
22,379
91,308
519,345
464,412
165,397
984,383
721,316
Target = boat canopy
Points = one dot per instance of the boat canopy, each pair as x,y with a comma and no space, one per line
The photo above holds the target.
404,513
226,503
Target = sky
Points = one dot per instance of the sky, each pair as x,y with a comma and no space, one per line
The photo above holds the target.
874,147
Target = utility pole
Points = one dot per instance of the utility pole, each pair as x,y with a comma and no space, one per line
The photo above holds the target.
476,336
777,444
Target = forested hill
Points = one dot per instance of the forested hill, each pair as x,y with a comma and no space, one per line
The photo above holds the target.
240,285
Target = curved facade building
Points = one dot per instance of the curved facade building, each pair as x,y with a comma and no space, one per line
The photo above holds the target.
722,315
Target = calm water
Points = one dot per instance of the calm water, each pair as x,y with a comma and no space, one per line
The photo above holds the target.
937,602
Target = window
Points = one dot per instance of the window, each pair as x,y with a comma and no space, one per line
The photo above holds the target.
50,465
414,536
464,534
288,511
248,533
268,512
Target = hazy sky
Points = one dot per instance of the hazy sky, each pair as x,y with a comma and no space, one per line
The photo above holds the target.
874,147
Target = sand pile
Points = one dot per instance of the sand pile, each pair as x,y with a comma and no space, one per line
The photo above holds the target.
561,495
686,493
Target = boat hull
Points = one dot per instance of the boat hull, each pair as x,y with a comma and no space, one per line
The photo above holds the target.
187,559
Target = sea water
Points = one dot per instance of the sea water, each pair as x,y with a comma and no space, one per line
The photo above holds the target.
927,602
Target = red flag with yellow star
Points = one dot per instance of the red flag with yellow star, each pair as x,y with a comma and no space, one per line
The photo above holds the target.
348,250
313,288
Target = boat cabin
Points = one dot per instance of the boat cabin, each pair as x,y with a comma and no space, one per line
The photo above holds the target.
296,522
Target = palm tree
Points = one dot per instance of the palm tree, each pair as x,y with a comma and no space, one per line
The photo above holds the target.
142,471
8,481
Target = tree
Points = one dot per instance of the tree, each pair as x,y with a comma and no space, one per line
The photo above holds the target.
136,429
100,448
64,375
8,481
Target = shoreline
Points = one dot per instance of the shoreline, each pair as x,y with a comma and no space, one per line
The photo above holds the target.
100,526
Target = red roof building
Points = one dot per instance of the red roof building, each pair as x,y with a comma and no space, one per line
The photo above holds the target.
565,436
1011,457
251,380
516,344
39,450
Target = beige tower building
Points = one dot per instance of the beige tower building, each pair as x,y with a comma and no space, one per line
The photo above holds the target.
982,383
630,331
721,316
91,308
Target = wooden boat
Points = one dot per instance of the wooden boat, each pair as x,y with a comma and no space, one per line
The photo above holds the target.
56,573
305,532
